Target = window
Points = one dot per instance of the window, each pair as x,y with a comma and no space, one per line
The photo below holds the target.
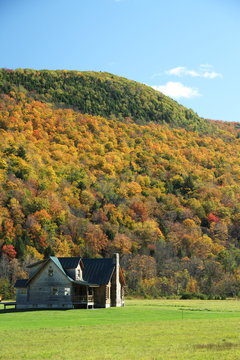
78,273
50,272
55,291
67,291
23,291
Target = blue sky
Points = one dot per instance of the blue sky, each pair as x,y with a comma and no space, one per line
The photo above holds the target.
188,49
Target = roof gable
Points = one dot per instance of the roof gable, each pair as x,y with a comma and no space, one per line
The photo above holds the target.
37,263
56,262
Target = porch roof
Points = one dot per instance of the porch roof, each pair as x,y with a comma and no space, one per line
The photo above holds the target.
21,283
85,283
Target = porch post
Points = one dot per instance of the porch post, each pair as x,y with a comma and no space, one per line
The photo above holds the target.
87,295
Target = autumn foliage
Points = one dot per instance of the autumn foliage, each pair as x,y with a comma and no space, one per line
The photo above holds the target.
166,199
9,251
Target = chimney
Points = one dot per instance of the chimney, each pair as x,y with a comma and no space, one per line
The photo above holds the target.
116,259
117,285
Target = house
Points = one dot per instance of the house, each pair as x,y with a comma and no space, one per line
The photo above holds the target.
71,282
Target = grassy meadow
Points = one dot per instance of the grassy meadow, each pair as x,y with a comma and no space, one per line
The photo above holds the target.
143,329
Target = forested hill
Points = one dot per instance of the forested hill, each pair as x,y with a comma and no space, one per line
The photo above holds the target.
103,94
166,199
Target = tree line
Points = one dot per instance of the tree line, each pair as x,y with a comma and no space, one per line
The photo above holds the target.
103,94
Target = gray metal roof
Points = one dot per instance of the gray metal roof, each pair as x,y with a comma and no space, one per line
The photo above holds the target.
98,271
95,271
69,262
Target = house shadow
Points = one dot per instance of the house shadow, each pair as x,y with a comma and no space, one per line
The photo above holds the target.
10,311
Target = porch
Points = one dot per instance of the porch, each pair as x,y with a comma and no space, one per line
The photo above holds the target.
83,296
86,300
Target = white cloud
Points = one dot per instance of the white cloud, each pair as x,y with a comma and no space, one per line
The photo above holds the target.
181,71
177,90
211,74
204,71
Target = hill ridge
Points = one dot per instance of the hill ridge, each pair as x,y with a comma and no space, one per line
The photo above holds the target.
102,93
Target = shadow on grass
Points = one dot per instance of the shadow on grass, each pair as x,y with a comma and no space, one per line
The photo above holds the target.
13,310
7,311
216,347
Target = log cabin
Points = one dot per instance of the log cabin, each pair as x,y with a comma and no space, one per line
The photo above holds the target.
71,282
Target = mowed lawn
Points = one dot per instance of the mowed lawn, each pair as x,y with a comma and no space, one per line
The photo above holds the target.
143,329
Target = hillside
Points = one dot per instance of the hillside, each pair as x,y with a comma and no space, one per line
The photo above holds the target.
103,94
167,199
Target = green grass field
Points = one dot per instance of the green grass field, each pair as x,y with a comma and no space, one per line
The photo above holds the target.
144,329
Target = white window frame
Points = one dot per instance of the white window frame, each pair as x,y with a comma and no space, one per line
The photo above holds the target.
67,291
